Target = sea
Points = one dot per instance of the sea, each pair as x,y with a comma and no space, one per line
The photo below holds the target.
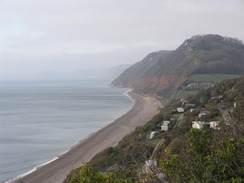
40,120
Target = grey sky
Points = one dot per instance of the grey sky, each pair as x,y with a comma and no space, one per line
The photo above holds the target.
70,35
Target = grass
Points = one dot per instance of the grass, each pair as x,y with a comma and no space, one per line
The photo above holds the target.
185,93
210,105
212,77
175,116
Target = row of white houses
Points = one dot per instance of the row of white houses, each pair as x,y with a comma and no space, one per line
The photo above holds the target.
200,124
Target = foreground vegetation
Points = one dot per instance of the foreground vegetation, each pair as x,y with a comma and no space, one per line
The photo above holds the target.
183,154
209,155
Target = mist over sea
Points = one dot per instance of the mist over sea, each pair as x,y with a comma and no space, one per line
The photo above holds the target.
40,120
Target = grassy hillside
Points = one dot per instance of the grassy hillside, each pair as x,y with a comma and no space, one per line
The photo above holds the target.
182,154
185,93
212,77
210,155
197,82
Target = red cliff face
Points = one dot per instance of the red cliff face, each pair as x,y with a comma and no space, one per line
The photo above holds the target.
159,83
162,73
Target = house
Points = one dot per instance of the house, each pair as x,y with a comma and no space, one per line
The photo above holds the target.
165,126
166,122
225,107
190,105
184,101
217,99
191,110
214,124
203,113
200,85
152,134
180,109
198,124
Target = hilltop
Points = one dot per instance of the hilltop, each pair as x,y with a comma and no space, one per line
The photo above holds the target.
162,73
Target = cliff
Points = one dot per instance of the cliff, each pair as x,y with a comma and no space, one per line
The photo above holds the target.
161,73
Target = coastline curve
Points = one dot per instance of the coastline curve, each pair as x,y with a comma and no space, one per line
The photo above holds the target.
55,171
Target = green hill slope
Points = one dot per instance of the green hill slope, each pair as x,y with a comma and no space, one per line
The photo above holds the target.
183,154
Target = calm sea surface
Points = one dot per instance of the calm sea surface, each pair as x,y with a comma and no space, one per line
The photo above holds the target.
40,120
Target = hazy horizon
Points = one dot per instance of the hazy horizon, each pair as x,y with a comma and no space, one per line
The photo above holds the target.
66,37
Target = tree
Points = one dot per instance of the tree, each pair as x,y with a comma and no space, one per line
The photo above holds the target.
88,175
211,156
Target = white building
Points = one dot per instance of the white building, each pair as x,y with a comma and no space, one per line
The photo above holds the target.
214,124
203,113
191,110
166,123
165,126
152,134
180,109
198,124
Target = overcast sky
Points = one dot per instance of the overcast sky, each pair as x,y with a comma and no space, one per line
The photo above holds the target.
72,35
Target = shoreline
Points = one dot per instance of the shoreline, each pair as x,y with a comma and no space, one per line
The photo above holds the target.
56,170
20,176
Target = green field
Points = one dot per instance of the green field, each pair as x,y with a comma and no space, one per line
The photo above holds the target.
185,93
212,77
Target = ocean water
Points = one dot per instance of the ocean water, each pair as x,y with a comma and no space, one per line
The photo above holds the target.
40,120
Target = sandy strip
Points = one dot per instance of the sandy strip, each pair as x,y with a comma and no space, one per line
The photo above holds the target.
55,172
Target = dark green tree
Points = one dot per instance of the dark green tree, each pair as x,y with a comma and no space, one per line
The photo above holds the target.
211,156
